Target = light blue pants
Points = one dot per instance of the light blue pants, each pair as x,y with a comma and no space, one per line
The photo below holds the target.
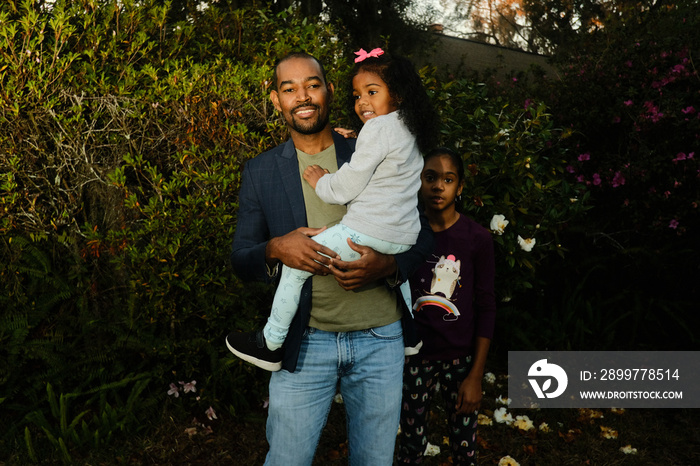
286,300
367,367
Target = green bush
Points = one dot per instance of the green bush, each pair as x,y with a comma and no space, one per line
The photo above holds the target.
122,139
637,111
631,92
626,95
515,158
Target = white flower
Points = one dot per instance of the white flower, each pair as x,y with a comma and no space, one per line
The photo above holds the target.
508,461
523,423
544,427
211,414
526,244
189,387
498,224
174,390
489,377
504,401
502,416
628,450
484,420
338,398
431,450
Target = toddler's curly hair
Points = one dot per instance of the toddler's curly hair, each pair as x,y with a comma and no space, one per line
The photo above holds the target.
408,92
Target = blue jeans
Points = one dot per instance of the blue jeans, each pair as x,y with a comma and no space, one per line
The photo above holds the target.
367,366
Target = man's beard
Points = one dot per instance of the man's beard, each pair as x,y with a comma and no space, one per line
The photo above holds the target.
306,126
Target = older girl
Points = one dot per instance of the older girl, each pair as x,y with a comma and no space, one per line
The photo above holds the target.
454,312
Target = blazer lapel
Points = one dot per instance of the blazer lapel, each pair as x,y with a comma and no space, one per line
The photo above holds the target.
291,182
343,148
288,166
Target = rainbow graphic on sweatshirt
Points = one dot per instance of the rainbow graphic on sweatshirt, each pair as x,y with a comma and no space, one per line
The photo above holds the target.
434,300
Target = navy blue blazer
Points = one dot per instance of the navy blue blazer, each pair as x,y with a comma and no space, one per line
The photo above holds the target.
271,204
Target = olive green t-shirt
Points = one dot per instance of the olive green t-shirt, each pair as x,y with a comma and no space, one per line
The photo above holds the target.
332,308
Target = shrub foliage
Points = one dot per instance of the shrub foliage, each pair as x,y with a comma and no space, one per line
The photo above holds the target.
122,139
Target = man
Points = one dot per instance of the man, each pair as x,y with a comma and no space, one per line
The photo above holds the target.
347,336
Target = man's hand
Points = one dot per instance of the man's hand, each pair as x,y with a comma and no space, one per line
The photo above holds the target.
370,267
297,250
313,173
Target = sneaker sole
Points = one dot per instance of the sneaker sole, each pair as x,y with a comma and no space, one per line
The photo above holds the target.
262,364
413,350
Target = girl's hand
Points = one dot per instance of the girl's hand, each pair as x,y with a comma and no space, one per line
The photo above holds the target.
346,133
313,173
469,396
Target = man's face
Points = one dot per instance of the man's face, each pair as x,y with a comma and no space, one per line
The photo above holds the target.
302,95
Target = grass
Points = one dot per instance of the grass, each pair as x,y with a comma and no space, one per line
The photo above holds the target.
662,437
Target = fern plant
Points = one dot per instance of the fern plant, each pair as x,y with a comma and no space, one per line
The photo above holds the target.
55,423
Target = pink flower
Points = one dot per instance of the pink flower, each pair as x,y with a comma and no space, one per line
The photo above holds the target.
653,113
210,413
628,103
570,169
528,102
596,179
174,390
583,157
688,110
680,156
678,69
673,224
618,180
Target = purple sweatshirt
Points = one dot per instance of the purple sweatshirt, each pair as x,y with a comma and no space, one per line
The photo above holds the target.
453,293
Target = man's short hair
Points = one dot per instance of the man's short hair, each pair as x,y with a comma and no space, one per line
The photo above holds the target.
296,55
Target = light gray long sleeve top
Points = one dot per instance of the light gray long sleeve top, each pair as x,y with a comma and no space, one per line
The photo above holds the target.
380,183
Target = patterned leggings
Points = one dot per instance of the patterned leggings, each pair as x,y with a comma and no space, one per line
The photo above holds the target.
420,382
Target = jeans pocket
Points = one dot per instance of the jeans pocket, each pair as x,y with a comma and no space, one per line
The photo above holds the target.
389,332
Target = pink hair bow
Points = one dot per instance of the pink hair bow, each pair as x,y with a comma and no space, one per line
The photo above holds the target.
362,54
